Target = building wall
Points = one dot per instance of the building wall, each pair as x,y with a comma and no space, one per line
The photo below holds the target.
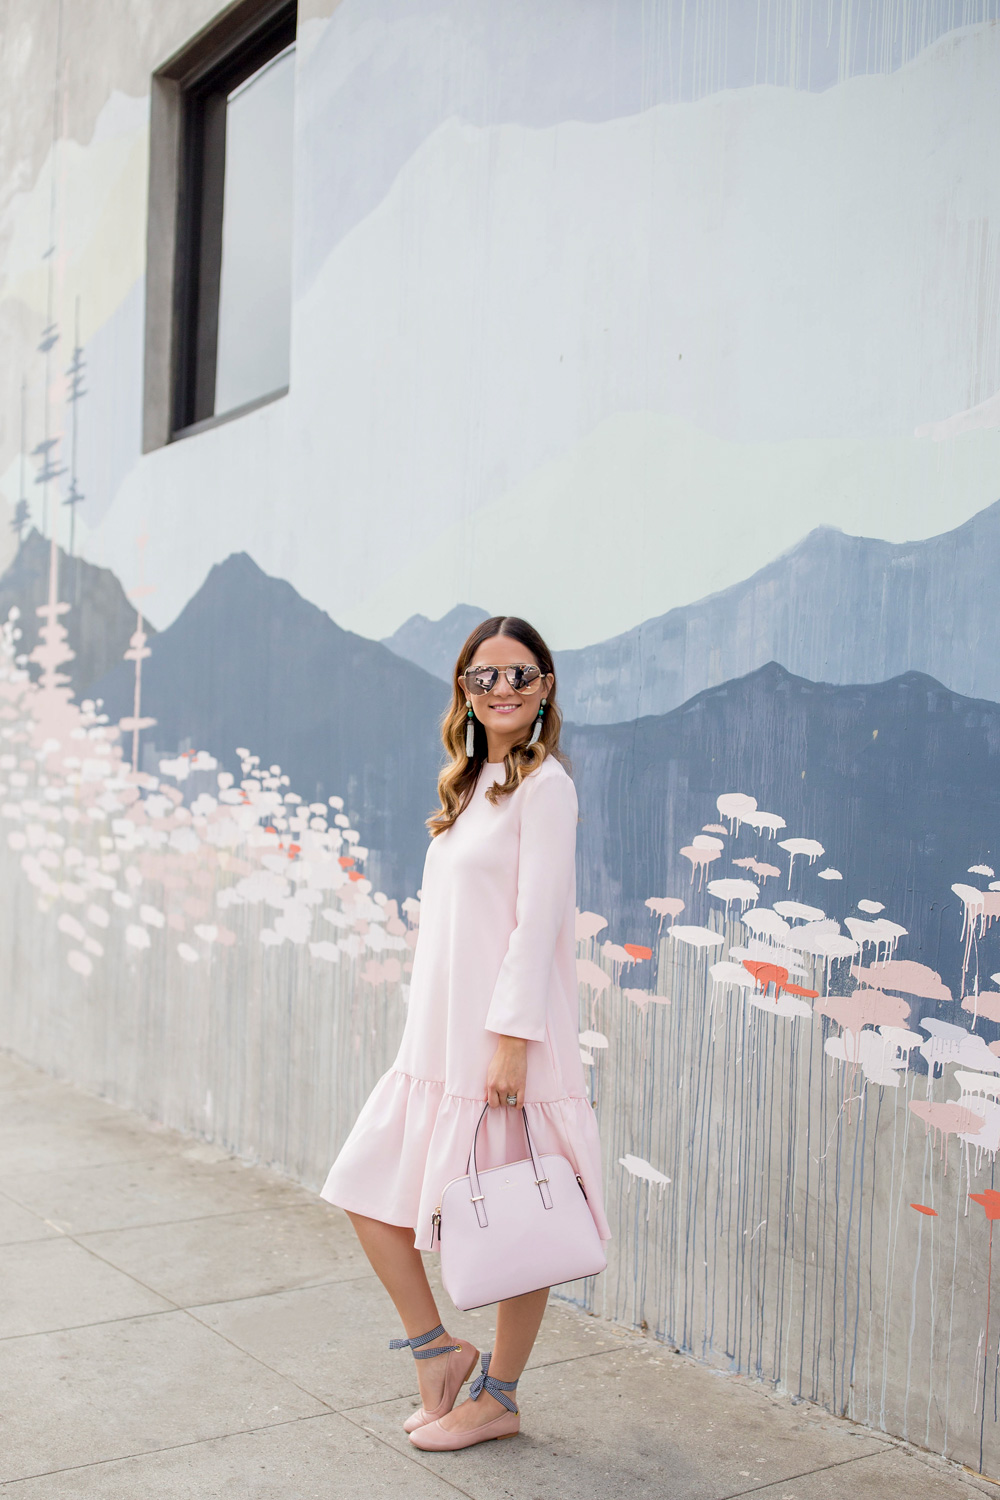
674,329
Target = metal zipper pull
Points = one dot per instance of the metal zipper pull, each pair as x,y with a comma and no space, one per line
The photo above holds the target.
436,1223
583,1190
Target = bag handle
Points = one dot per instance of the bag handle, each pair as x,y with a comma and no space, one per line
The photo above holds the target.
478,1197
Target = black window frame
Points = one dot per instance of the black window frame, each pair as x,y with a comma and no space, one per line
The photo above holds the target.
198,261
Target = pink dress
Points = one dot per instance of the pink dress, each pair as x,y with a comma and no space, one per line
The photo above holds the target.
495,955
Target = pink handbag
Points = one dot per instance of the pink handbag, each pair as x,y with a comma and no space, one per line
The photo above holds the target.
515,1229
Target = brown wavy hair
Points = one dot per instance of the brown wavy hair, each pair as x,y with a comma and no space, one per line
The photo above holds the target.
457,780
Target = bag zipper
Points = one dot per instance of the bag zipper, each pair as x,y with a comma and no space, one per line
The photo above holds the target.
436,1215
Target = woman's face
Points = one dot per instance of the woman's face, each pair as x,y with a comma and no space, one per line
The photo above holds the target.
506,714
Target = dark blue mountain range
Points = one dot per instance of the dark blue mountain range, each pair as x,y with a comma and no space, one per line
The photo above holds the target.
249,662
898,780
835,608
435,644
100,620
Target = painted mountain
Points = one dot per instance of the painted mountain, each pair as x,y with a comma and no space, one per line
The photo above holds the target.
100,620
835,608
435,644
898,782
249,662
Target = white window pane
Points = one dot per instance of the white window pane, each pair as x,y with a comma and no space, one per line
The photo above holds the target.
255,283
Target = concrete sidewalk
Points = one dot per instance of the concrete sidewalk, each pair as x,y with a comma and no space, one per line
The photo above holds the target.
174,1323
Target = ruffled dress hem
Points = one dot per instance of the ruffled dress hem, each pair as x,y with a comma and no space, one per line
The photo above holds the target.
412,1138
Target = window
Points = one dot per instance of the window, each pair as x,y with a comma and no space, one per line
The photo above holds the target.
219,291
255,275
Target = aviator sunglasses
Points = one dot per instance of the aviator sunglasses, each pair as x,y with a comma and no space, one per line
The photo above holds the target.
522,677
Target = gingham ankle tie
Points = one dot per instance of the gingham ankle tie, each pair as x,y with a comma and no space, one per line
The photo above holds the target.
492,1386
424,1338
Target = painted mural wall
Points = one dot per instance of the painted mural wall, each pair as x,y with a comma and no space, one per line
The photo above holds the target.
675,328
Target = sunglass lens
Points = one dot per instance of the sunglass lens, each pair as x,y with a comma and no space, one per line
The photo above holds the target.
481,680
522,677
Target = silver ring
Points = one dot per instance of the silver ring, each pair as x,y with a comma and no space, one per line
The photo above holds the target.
511,1098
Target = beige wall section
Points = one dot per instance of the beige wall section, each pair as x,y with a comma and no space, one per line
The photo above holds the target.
60,55
316,10
62,62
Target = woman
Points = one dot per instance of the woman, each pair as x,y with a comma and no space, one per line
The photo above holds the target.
492,1017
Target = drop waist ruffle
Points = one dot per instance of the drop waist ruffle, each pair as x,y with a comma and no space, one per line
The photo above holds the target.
412,1138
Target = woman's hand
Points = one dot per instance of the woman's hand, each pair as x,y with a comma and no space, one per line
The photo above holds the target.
507,1071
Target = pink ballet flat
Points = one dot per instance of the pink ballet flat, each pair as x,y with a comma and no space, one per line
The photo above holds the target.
433,1438
461,1361
437,1439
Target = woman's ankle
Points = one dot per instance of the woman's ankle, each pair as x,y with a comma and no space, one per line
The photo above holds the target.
418,1342
431,1372
441,1340
489,1406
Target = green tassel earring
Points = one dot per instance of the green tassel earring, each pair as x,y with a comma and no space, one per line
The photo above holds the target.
538,723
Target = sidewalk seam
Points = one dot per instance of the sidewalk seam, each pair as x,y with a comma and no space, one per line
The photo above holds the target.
840,1463
176,1307
401,1453
219,1437
229,1213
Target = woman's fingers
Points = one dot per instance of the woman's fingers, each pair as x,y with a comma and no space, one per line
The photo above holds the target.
507,1073
497,1094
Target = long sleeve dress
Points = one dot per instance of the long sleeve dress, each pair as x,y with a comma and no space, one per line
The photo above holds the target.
495,956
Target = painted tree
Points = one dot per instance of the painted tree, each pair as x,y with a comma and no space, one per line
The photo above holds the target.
76,392
137,652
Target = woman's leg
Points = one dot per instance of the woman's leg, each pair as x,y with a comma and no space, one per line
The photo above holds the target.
518,1322
400,1268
